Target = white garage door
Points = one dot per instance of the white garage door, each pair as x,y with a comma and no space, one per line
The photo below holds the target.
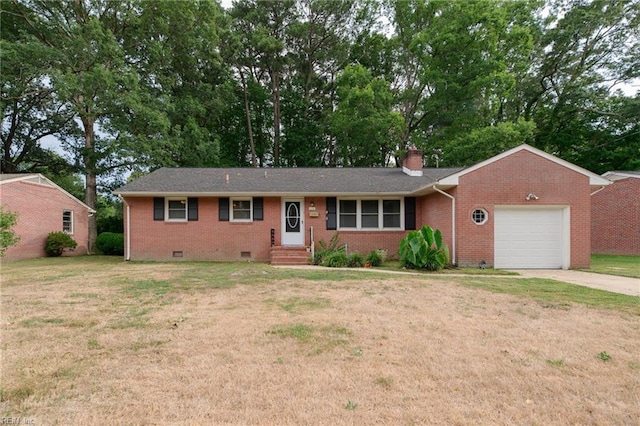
526,238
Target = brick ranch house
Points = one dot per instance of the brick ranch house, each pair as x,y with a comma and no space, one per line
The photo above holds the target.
615,215
523,208
42,207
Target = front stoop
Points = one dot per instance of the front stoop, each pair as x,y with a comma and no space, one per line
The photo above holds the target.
290,256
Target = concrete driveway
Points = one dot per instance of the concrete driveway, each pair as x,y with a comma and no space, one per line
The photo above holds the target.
612,283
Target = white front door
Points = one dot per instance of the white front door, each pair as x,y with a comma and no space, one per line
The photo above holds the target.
293,222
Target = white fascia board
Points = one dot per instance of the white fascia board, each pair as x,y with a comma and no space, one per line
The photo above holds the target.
594,179
613,176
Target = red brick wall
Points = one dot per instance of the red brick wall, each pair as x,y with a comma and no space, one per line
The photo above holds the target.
205,239
39,209
436,213
615,218
506,182
211,240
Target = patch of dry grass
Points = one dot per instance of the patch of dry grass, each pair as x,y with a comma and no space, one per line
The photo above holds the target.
245,344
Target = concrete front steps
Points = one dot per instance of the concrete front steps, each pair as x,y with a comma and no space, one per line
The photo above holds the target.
290,256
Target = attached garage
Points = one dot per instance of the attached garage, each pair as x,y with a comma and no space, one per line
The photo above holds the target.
531,237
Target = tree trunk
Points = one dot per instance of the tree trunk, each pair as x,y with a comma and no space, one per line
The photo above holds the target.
252,145
275,79
91,191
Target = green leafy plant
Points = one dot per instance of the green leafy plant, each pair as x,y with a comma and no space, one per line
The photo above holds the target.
111,243
351,405
374,258
336,259
325,249
424,249
603,356
8,237
57,242
355,260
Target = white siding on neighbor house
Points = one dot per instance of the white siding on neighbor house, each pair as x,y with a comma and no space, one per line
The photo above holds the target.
531,237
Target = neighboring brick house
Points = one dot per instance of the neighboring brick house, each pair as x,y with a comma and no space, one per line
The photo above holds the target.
42,207
520,209
615,215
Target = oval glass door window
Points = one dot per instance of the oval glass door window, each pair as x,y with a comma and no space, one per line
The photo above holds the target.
293,217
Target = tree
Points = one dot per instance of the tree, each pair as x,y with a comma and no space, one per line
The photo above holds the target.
91,77
584,50
8,237
175,51
452,71
364,124
30,110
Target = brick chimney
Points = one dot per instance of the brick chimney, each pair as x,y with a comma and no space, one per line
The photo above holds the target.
412,162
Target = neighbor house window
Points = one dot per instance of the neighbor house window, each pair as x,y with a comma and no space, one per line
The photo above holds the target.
176,209
241,209
67,221
370,214
479,216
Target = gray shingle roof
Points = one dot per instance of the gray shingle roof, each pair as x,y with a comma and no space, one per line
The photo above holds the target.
301,181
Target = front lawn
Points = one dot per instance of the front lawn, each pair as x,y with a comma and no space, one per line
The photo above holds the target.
96,340
625,266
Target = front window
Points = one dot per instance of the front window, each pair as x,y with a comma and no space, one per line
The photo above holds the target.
177,209
391,214
241,210
67,221
370,214
348,213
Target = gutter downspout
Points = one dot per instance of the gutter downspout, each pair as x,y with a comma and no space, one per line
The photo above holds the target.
453,222
598,190
127,255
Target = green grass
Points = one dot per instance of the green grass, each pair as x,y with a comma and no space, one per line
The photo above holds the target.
296,304
554,294
316,340
394,265
624,266
556,362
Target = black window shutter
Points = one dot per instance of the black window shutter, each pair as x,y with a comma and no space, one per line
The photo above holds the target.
223,209
332,222
192,205
258,208
410,213
158,208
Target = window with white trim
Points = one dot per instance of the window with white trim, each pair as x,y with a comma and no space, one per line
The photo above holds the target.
67,221
348,213
241,210
369,214
480,216
391,214
176,209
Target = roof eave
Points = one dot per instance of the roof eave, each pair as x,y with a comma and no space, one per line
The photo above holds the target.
263,194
